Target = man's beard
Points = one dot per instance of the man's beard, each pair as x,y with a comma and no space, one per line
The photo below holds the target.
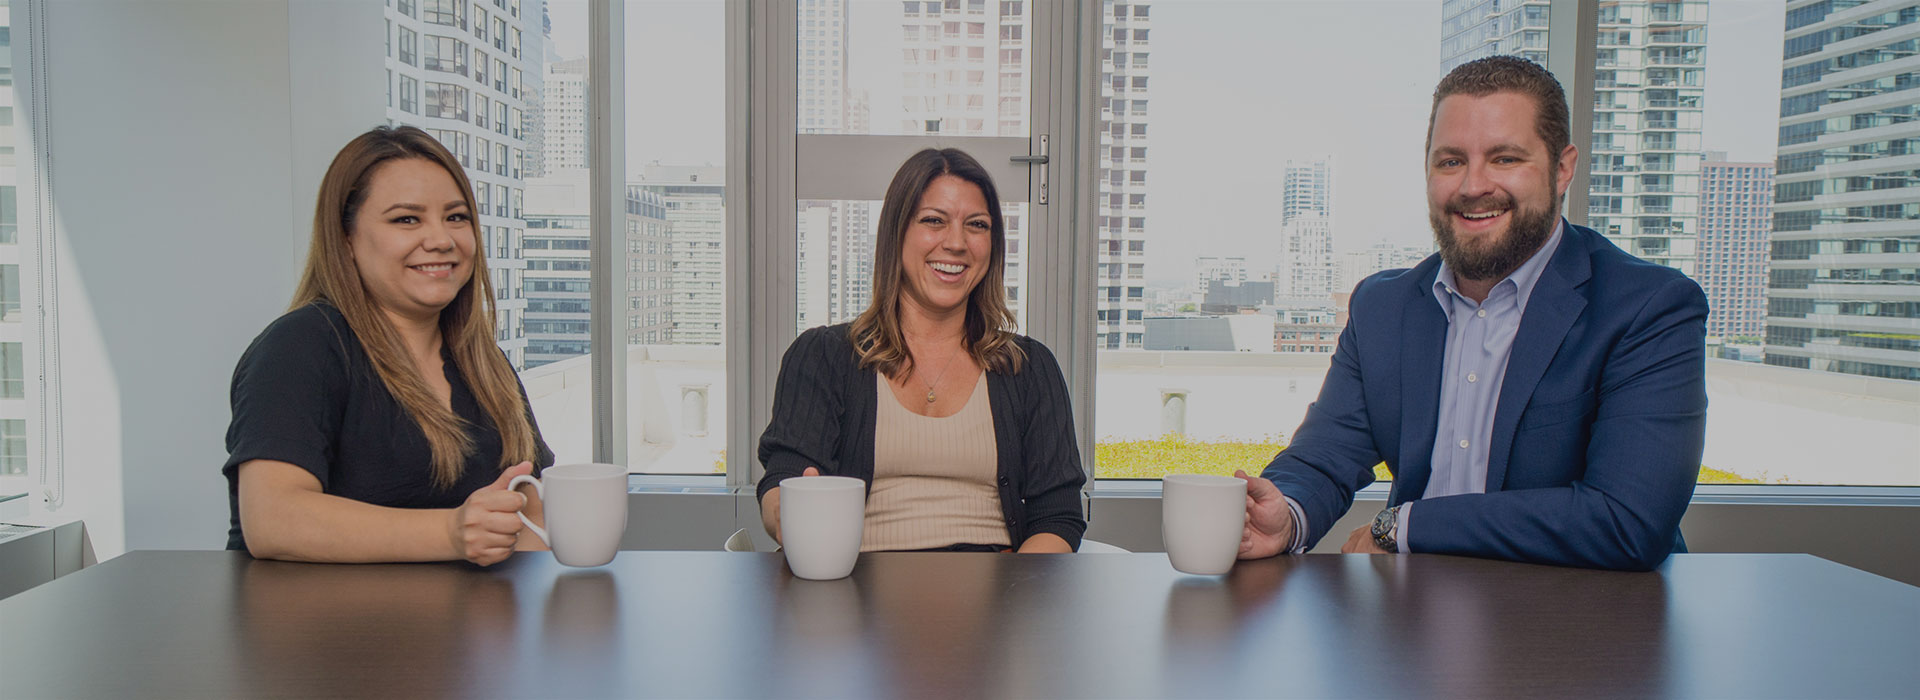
1526,232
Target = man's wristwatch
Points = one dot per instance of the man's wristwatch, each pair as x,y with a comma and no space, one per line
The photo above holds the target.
1386,529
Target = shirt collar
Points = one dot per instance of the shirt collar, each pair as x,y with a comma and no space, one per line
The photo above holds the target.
1522,280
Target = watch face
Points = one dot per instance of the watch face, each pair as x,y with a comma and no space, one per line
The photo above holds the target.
1383,523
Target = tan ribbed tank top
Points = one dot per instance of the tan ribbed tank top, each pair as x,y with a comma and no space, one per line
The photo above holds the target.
933,478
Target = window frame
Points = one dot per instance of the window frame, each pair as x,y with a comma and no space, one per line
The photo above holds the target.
762,65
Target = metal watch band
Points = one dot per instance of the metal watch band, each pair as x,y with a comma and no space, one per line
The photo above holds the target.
1386,529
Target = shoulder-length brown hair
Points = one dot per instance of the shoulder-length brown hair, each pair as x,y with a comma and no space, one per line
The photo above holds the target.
466,324
876,333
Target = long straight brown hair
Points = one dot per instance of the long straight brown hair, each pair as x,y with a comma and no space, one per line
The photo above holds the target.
876,333
466,324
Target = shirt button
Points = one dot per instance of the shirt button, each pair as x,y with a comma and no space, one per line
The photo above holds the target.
1463,444
1471,377
1481,313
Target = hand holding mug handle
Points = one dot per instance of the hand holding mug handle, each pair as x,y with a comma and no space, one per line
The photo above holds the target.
770,507
539,489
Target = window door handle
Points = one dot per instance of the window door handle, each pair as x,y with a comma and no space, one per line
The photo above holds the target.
1041,160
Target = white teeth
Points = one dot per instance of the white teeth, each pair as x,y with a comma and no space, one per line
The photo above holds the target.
949,268
1482,215
434,268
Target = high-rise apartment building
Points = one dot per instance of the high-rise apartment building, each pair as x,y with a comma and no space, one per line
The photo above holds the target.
1736,216
822,45
13,370
559,269
1846,246
835,237
558,321
649,245
964,73
967,72
469,72
1649,78
1306,189
695,201
563,117
1125,71
1307,270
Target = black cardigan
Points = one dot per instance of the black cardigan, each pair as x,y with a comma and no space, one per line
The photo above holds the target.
824,412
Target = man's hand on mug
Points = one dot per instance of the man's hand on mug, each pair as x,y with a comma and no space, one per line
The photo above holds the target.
484,529
1269,528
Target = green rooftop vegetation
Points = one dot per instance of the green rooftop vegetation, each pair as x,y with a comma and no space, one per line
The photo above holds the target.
1180,454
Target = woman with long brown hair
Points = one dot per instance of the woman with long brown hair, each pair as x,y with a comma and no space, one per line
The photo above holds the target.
377,420
961,428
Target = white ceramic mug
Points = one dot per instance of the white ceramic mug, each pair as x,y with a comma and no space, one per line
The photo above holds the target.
586,511
1201,519
820,522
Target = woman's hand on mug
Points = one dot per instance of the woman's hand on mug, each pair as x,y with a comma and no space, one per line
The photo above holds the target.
770,507
484,529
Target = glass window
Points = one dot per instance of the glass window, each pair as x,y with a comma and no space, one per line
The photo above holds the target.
452,13
674,230
940,92
1248,275
445,54
13,375
409,95
408,40
13,447
446,101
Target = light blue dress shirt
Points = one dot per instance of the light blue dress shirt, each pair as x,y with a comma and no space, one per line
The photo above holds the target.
1479,342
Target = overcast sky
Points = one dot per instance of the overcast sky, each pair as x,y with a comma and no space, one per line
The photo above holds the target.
1238,87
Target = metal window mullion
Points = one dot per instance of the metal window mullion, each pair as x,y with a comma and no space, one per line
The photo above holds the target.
1573,32
607,165
763,248
39,248
1080,38
739,51
1060,297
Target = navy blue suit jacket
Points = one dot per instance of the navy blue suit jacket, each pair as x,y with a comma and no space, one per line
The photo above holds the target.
1596,438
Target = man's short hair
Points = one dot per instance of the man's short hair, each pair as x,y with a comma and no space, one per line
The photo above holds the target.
1485,76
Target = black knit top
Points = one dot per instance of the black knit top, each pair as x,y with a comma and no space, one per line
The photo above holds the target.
824,411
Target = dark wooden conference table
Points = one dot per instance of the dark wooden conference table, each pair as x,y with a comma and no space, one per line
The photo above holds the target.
715,624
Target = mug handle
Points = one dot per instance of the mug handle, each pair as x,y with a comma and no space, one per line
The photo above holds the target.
539,489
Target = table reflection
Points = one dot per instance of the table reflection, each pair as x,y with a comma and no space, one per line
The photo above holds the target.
398,631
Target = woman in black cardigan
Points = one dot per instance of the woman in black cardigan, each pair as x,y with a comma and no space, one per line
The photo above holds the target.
961,428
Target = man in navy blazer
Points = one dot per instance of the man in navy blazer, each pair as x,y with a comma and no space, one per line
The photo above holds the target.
1538,394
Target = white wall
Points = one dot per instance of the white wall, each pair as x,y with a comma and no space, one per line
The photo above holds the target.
189,138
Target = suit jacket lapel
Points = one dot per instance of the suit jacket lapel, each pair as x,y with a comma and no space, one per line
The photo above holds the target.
1422,356
1555,304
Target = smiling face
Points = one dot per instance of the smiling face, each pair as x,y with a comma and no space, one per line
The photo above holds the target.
948,245
413,238
1493,186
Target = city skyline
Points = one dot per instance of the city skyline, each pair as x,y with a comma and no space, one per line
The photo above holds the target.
1196,45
